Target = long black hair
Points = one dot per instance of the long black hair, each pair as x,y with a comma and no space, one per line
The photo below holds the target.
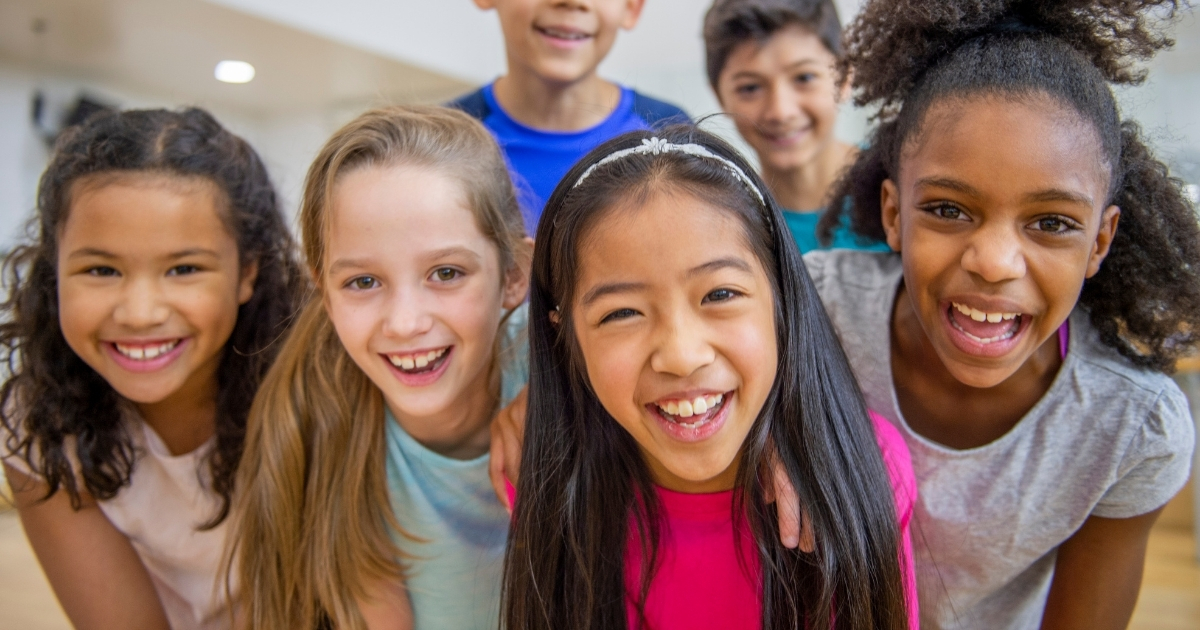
51,394
907,55
577,500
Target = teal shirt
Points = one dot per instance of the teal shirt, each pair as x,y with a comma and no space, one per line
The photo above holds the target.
455,567
803,226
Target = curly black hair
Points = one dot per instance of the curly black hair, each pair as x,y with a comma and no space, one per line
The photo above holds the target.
908,54
51,393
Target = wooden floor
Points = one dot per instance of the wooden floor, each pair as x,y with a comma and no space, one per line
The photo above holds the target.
1170,592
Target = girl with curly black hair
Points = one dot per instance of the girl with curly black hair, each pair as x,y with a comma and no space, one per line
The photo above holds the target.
1044,281
141,317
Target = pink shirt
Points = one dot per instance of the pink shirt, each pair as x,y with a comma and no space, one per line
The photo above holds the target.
702,583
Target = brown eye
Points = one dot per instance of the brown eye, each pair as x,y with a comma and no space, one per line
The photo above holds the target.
446,274
363,283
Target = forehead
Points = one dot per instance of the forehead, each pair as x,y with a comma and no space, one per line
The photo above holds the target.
660,240
121,212
1027,143
400,210
792,44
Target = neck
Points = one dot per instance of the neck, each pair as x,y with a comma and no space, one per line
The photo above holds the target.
804,188
460,432
186,419
555,106
938,406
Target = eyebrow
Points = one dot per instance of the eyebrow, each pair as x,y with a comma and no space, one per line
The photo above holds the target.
100,253
1058,194
439,254
748,74
627,287
1050,194
947,182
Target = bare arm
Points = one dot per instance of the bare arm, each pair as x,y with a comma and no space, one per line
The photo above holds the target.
94,570
1098,574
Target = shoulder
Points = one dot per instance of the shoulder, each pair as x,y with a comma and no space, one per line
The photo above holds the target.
898,461
847,269
656,113
474,103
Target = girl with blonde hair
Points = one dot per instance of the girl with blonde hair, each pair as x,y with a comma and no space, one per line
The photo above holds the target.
364,499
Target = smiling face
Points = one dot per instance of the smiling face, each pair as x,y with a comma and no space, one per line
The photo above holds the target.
416,293
149,283
782,95
678,342
561,40
1000,215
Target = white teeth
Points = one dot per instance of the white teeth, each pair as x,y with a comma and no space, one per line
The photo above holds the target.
416,361
145,353
981,316
695,407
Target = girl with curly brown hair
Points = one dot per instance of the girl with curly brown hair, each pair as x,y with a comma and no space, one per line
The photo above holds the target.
141,317
1044,281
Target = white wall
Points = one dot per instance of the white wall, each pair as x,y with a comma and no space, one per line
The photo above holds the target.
286,143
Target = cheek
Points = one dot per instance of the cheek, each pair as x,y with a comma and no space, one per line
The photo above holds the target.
80,313
354,324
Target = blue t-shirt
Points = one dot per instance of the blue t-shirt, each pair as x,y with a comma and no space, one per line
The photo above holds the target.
456,565
538,159
803,226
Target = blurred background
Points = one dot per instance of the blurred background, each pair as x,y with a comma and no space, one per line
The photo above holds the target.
318,63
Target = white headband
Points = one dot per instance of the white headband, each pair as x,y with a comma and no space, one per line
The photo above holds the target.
655,146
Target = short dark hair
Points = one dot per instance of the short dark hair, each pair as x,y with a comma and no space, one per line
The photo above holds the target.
731,22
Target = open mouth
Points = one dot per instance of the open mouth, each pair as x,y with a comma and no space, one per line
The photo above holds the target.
691,413
145,352
419,363
983,327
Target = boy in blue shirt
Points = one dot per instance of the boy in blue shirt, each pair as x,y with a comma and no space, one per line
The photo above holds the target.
551,107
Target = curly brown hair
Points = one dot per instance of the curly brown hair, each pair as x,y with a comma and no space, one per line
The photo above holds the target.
909,54
51,393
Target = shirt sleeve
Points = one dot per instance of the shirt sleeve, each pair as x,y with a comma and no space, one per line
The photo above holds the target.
814,262
898,461
1157,461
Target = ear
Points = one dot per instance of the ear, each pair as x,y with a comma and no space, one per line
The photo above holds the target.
889,206
246,282
633,13
555,318
846,88
485,5
1104,239
516,280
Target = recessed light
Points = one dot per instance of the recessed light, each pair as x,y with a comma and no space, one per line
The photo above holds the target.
230,71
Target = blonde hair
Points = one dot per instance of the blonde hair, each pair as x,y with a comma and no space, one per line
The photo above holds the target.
314,525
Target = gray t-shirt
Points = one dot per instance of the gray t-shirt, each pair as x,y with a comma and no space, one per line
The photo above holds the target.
1107,439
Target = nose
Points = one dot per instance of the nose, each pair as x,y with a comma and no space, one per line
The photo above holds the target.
142,305
410,314
681,347
995,254
781,105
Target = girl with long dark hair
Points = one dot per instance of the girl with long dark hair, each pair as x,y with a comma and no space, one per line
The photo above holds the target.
1046,277
141,317
677,348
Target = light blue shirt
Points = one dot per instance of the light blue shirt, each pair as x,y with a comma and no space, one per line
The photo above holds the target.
456,565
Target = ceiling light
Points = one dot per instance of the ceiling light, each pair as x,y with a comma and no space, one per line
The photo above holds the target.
229,71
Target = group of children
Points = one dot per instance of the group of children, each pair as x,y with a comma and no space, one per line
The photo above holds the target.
552,358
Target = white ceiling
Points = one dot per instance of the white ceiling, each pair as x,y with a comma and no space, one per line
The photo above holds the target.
170,47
